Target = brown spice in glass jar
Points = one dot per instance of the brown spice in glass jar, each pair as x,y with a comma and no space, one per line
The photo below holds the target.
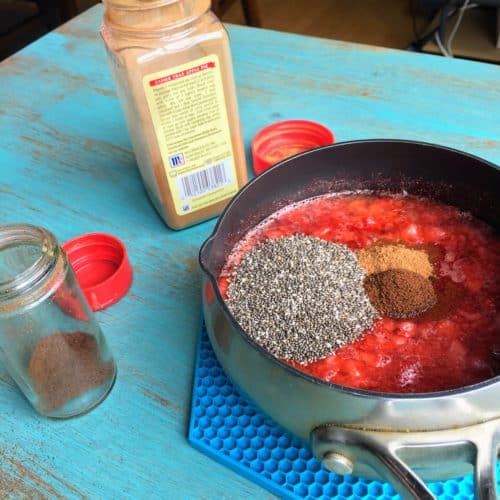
66,365
400,294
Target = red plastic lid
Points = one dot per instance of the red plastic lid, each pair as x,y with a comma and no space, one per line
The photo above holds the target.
101,266
286,138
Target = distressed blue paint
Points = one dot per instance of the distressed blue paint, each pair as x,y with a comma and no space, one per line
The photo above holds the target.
66,163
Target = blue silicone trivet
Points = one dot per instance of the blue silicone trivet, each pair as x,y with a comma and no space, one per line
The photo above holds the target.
228,428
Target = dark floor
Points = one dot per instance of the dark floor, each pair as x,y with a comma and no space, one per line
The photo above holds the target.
354,20
388,23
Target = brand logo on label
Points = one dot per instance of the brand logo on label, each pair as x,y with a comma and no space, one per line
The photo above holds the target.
177,160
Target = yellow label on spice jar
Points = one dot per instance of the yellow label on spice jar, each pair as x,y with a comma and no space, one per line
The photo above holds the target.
190,118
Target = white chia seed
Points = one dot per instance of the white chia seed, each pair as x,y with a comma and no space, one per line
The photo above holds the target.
300,297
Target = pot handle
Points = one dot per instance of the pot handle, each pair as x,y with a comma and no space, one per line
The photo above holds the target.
485,466
346,450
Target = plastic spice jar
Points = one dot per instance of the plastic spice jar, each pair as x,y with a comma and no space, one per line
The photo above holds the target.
171,64
50,342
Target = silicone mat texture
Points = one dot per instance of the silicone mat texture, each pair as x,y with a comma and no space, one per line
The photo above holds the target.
231,430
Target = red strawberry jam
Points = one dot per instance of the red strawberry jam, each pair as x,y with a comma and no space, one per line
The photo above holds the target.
452,345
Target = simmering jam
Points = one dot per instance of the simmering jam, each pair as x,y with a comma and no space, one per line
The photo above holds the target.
450,346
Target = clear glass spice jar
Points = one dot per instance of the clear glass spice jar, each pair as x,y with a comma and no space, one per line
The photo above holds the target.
50,342
171,64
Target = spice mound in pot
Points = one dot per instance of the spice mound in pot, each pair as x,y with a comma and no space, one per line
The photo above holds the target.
379,258
448,346
400,294
300,297
66,365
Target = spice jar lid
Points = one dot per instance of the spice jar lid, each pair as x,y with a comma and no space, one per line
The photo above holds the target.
102,268
283,139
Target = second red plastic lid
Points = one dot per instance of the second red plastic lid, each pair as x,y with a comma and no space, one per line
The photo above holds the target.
102,268
286,138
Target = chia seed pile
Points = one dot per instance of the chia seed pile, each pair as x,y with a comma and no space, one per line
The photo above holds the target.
300,297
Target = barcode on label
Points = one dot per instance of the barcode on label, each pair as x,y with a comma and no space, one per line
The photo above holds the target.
206,180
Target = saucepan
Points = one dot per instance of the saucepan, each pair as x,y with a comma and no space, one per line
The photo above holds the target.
405,439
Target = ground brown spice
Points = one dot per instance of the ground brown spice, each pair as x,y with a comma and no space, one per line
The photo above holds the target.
449,297
380,258
65,365
400,294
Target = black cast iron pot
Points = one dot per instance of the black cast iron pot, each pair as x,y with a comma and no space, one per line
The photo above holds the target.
400,438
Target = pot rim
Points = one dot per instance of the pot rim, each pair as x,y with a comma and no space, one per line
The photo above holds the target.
348,390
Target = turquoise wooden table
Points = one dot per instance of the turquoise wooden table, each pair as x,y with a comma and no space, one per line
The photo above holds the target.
66,163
